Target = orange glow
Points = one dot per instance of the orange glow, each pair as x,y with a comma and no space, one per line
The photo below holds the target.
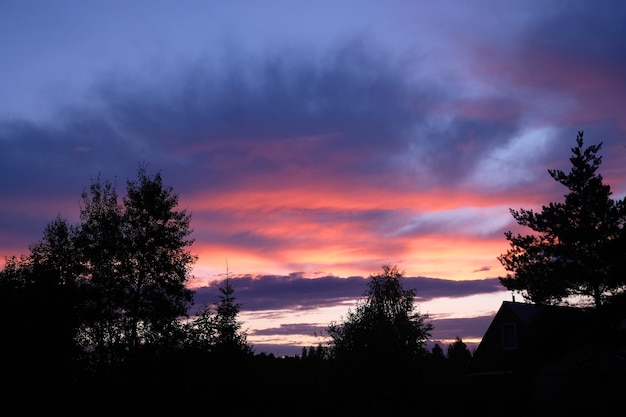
447,257
294,230
328,196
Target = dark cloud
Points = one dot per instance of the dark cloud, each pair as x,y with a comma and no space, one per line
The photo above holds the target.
574,58
294,292
350,114
45,160
582,35
285,292
465,328
429,288
463,142
335,116
305,329
278,349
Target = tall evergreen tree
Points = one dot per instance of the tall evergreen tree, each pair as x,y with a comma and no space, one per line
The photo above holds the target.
578,247
230,338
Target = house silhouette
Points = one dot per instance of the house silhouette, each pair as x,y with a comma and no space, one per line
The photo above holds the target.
551,360
522,337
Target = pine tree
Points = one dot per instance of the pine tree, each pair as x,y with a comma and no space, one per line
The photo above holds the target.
230,338
578,247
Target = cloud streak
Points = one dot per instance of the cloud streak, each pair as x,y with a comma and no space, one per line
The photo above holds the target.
295,292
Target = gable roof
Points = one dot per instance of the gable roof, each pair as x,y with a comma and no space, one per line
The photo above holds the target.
534,333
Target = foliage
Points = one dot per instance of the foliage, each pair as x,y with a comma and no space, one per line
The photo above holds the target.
99,251
318,353
578,245
156,263
458,354
201,332
216,328
384,325
437,352
230,339
136,263
115,282
38,318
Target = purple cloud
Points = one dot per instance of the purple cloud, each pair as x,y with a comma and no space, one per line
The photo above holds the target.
297,293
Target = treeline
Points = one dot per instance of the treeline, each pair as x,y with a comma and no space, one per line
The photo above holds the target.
94,319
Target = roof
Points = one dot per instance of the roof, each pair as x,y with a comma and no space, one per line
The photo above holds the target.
542,332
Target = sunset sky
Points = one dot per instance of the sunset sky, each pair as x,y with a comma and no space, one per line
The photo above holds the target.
313,142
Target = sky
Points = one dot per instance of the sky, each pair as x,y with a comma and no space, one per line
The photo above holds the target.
314,142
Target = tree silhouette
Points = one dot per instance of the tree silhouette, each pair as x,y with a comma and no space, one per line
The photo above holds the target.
201,332
55,289
578,248
100,248
384,325
459,355
39,318
438,361
230,339
158,263
437,352
119,276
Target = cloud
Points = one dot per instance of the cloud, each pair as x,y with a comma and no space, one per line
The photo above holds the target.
271,155
294,292
470,330
343,116
467,221
305,329
284,297
566,63
350,116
